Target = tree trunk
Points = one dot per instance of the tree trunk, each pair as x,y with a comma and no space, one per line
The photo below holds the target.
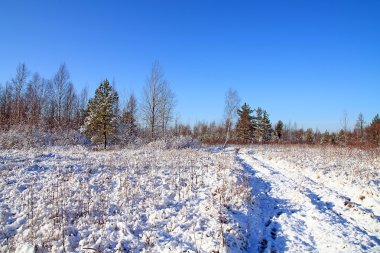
227,135
105,140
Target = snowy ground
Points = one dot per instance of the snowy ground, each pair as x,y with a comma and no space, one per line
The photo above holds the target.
314,199
259,199
145,200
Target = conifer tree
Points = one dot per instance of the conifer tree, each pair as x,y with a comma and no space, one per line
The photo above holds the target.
342,137
326,137
373,131
102,114
279,128
244,126
258,125
266,126
309,136
129,118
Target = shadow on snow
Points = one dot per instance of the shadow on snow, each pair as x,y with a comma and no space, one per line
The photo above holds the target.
263,226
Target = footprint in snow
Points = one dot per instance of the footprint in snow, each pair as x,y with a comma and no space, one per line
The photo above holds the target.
273,233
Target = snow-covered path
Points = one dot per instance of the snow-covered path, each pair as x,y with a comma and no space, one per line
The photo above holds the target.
294,212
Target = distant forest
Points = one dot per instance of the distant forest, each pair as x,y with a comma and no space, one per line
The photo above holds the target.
36,111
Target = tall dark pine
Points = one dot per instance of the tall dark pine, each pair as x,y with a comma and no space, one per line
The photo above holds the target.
279,128
102,114
373,131
244,126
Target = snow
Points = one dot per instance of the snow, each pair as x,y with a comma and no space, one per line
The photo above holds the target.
159,199
143,200
301,205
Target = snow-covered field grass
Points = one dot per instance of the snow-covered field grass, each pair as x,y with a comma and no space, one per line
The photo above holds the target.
149,200
154,199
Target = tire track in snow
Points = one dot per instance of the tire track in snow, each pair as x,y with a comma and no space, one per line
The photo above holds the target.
290,215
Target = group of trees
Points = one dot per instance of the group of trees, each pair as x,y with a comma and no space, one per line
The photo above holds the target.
54,105
253,128
30,101
39,102
158,103
102,113
362,134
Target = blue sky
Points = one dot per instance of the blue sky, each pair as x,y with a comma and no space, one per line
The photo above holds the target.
302,61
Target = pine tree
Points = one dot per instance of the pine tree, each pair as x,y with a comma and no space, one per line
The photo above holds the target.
129,119
373,131
279,128
309,136
244,126
258,125
342,137
102,114
267,127
375,120
326,137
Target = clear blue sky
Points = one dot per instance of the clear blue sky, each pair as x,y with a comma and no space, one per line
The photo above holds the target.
303,61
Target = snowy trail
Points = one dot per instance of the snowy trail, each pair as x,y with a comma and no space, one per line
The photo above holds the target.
295,213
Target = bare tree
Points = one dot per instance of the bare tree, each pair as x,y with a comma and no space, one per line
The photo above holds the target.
359,126
152,99
50,106
19,83
344,121
61,80
232,102
2,106
6,105
166,108
82,104
33,99
70,105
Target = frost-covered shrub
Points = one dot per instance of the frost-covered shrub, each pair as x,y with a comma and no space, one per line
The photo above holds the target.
184,142
181,142
23,137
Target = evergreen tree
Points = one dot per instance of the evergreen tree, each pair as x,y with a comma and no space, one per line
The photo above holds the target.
267,127
102,114
309,136
129,119
279,128
376,120
244,126
258,125
373,131
326,137
342,137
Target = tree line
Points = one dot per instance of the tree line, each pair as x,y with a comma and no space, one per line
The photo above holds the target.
33,102
30,101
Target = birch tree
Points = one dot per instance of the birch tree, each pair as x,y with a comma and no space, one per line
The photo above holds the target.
61,80
19,83
232,102
158,102
166,108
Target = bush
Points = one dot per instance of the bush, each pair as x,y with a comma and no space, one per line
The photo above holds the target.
24,137
181,142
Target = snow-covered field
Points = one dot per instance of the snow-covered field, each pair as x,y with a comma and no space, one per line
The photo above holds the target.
148,200
259,199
